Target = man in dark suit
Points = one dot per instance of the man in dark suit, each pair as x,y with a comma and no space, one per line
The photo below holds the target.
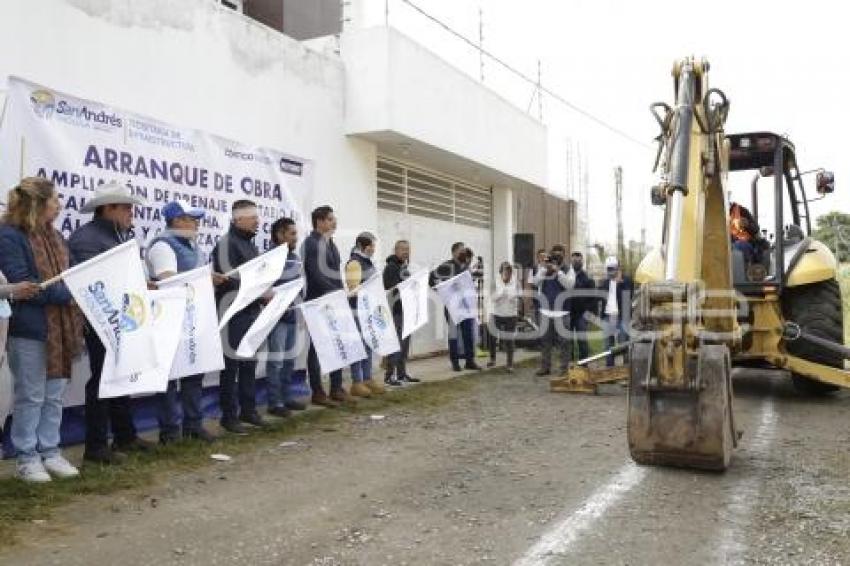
322,272
615,304
237,389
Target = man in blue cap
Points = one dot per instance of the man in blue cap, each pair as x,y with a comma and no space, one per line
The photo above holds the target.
174,251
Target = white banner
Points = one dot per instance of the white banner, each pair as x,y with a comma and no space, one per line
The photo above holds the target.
413,294
459,297
269,317
375,317
79,144
200,349
333,331
255,278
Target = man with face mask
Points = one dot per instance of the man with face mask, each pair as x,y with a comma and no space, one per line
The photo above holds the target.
174,251
232,250
580,303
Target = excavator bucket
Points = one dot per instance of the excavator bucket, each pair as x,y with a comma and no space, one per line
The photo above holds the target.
688,425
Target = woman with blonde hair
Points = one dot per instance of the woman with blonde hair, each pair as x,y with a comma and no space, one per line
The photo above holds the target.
8,292
44,332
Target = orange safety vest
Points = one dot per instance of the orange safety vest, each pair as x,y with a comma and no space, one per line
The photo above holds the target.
736,224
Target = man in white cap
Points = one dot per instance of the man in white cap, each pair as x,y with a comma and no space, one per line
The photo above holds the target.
616,306
112,206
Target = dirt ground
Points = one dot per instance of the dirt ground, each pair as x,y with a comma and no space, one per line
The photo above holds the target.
507,473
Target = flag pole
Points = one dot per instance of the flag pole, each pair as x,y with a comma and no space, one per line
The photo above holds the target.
51,281
74,268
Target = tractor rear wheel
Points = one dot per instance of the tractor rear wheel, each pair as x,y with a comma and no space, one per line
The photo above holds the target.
818,309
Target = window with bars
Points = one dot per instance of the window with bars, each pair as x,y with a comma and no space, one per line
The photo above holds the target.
413,190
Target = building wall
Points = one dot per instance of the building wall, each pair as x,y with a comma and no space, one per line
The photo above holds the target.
550,218
397,85
196,64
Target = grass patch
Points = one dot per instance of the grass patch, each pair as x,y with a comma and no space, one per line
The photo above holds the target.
21,503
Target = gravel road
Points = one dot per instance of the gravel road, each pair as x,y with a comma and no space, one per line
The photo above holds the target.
506,473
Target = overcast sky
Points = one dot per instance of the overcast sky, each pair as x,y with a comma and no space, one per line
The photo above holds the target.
784,66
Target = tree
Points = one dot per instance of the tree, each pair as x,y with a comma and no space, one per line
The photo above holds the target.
833,229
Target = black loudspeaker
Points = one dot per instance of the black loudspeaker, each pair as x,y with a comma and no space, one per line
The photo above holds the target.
524,250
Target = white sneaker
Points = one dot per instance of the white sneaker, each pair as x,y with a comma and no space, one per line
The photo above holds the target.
32,472
60,467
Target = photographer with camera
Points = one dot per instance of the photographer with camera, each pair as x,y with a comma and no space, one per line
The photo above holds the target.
554,279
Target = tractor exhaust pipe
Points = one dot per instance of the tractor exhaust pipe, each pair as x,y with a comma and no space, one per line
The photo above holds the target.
792,332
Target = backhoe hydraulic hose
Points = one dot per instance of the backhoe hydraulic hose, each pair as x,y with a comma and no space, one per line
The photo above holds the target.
792,332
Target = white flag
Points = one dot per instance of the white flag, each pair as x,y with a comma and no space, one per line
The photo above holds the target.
333,332
111,291
413,294
375,317
136,341
200,349
169,313
255,278
167,309
269,317
459,296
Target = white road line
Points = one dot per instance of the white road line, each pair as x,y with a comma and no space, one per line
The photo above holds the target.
557,541
745,493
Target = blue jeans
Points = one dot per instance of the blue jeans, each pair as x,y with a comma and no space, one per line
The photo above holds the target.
281,362
362,370
466,329
615,333
170,403
37,414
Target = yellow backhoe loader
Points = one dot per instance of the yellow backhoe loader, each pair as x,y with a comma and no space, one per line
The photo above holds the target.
737,280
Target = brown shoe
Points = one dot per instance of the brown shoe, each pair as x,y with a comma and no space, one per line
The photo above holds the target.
323,400
375,387
360,390
341,396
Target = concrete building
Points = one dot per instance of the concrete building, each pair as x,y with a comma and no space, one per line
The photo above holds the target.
403,143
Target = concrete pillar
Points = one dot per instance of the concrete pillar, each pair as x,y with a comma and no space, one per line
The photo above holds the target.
503,226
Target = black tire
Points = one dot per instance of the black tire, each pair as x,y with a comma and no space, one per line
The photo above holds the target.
818,309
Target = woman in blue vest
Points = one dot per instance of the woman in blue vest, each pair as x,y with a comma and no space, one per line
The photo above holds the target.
175,251
358,270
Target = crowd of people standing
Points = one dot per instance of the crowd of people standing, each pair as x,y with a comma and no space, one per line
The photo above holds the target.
46,331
